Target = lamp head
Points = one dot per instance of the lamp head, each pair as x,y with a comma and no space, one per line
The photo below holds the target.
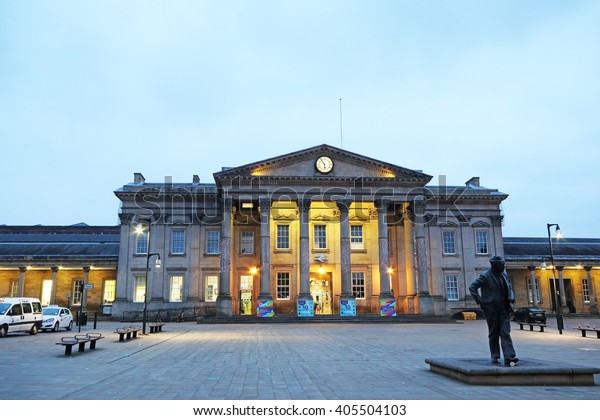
157,263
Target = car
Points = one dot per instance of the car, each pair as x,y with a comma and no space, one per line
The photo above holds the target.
530,314
55,317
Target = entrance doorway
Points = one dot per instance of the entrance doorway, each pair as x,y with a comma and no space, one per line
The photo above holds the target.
246,295
320,289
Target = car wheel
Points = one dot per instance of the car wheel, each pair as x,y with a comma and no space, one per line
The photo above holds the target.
55,327
3,330
70,326
34,329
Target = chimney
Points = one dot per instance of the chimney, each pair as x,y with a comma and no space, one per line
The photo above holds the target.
196,179
473,182
138,178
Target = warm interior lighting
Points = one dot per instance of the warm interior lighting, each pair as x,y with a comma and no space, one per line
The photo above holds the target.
321,270
543,265
247,205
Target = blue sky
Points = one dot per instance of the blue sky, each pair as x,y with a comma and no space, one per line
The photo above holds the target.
93,91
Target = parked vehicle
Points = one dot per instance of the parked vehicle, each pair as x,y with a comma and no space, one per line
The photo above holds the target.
530,314
20,315
55,317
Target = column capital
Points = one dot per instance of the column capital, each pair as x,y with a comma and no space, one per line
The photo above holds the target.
86,269
54,269
531,267
344,203
382,203
304,204
560,267
587,268
22,269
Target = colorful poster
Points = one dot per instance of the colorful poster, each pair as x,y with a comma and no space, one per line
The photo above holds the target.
348,307
264,308
387,307
306,307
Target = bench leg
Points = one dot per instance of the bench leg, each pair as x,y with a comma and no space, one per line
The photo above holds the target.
531,328
92,344
122,337
520,326
68,350
583,333
128,335
135,334
598,334
81,347
541,329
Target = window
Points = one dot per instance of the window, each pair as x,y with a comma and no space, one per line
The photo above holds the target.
212,288
283,236
110,288
283,286
452,287
449,239
139,288
177,241
358,285
212,241
585,287
247,242
46,292
481,242
176,289
530,292
356,237
320,236
77,295
141,243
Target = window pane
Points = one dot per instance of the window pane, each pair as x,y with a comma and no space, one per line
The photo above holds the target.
141,245
449,242
283,286
177,241
452,286
283,236
356,237
212,241
320,236
586,290
77,292
481,239
212,288
358,285
176,289
247,242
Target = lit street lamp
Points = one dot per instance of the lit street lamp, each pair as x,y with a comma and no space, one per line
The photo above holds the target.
140,231
559,318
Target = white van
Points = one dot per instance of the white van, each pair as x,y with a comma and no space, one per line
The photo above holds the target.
20,314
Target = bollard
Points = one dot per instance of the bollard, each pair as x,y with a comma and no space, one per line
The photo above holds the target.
95,319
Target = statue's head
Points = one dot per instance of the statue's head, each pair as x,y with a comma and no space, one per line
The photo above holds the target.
497,264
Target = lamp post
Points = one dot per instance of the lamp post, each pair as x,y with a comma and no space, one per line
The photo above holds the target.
140,231
559,319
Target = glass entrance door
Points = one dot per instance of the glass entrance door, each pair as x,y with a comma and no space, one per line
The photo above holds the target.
246,295
320,289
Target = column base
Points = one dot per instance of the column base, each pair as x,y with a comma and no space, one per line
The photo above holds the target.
348,306
264,307
387,305
593,309
306,305
224,306
424,305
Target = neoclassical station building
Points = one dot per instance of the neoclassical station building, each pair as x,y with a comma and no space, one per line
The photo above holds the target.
316,232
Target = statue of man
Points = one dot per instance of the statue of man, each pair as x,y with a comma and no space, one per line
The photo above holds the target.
495,301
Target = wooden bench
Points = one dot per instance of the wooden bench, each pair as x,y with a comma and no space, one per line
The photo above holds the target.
127,332
155,326
469,316
585,328
80,340
531,325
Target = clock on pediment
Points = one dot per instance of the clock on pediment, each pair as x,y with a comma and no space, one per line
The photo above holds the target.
324,164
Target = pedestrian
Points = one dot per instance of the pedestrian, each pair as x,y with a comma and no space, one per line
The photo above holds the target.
495,301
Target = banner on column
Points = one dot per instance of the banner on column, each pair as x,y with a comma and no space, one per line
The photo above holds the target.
347,307
264,308
387,307
306,307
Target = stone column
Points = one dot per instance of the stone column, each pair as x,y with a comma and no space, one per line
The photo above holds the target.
424,299
264,304
531,269
561,287
21,286
409,258
86,275
347,300
224,301
305,300
53,291
387,302
593,307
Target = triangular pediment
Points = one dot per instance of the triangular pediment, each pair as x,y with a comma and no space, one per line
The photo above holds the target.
303,165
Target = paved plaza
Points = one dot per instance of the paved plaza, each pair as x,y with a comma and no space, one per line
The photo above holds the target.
279,361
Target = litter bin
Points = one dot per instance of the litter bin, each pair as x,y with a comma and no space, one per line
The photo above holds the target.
82,319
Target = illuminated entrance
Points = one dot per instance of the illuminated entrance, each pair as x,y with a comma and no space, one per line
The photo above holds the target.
246,295
321,291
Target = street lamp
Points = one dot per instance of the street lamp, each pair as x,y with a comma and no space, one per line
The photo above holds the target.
559,319
140,231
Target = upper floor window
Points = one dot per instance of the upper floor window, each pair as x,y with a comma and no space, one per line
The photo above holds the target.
283,236
452,286
141,243
177,241
356,237
247,242
449,238
481,242
212,241
320,236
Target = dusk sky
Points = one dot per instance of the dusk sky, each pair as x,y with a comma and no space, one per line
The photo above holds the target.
93,91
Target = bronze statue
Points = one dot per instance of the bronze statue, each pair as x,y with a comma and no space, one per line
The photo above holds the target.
495,301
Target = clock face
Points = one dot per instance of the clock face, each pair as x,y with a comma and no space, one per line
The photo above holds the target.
324,164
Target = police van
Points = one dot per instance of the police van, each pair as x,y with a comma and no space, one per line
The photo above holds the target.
20,315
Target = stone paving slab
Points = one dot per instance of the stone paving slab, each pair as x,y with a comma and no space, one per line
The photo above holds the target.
332,361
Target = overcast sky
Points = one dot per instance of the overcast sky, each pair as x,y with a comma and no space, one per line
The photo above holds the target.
93,91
